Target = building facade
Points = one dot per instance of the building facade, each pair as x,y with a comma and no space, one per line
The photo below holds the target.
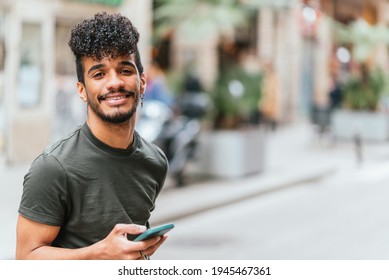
296,38
38,99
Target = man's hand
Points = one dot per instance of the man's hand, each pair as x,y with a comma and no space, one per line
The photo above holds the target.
116,246
34,242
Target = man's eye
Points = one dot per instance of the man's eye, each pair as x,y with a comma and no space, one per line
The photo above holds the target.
127,71
98,75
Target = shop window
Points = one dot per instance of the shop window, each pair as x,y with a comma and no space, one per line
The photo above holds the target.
2,41
30,70
2,57
65,61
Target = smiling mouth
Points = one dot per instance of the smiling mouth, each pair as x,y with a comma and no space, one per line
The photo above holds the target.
115,96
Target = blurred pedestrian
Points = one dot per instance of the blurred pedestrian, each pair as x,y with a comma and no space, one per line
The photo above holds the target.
335,95
88,195
157,88
194,102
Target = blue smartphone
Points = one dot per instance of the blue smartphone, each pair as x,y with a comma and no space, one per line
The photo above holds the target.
156,231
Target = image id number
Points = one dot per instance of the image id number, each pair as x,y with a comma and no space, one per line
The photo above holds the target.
246,270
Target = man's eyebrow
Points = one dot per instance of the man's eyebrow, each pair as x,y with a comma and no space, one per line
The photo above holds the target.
94,67
127,63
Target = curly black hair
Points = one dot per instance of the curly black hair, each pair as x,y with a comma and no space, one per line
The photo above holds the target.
104,35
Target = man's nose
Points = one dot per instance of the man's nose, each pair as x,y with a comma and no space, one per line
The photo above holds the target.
114,81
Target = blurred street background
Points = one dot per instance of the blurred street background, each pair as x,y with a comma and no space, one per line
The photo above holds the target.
278,113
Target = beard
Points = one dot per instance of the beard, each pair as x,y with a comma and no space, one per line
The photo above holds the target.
117,117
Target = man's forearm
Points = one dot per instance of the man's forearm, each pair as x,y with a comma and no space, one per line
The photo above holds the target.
55,253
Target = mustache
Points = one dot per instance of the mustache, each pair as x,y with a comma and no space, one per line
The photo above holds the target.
127,93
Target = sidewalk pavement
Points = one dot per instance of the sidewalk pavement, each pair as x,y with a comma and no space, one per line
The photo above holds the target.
293,155
11,180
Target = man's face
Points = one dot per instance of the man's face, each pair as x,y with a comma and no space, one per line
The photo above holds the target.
112,88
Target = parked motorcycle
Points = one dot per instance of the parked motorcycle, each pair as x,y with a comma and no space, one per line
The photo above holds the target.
176,134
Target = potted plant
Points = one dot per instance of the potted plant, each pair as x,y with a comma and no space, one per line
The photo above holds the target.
228,148
235,145
362,92
235,96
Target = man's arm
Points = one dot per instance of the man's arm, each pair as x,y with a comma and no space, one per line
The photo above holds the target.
33,241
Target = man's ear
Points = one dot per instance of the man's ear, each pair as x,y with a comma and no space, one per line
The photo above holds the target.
81,91
143,83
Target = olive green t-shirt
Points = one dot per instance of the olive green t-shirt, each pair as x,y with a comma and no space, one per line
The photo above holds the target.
86,187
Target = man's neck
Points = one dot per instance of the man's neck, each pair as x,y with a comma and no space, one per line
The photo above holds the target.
118,136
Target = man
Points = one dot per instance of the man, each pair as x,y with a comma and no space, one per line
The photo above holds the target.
90,194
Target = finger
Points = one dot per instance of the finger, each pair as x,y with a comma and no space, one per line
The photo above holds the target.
152,249
143,245
147,247
128,228
152,241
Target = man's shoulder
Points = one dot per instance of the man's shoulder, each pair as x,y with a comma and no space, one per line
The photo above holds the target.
64,144
152,149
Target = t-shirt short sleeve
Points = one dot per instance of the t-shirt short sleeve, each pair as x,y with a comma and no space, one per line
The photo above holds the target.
44,197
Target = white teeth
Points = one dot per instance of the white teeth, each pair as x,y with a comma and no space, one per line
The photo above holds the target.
115,98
